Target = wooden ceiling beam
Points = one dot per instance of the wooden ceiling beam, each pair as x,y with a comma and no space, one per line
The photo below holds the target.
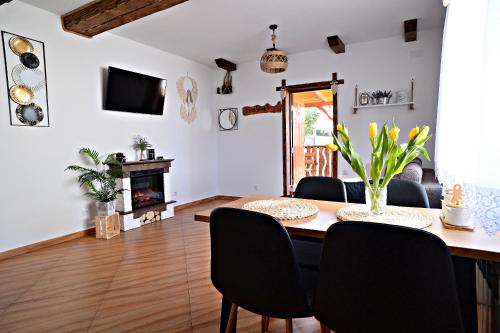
225,64
103,15
336,44
410,29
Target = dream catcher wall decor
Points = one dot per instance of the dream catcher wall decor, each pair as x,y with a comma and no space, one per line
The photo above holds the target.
187,88
26,80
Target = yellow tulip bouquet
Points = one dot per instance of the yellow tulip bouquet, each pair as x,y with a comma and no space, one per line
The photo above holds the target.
386,152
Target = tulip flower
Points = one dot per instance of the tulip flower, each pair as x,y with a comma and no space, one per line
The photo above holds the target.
332,147
342,128
386,155
414,131
394,134
372,130
422,135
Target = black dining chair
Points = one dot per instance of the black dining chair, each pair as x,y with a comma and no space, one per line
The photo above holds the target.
254,266
399,193
384,278
308,251
321,188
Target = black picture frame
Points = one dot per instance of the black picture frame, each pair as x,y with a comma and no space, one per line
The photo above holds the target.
234,112
12,109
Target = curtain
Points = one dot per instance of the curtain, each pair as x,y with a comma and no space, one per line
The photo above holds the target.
468,124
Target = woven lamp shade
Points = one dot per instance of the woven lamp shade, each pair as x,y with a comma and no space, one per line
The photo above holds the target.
274,61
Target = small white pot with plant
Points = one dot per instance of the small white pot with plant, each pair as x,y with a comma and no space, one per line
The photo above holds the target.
99,180
142,145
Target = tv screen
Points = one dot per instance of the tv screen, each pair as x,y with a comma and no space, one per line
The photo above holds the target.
134,92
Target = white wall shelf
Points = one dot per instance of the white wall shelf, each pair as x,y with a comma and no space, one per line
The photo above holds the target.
381,105
410,104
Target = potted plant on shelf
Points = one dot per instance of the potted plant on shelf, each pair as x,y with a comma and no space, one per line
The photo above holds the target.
381,97
99,180
142,145
386,154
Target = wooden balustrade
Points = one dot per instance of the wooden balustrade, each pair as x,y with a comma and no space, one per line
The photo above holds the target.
318,161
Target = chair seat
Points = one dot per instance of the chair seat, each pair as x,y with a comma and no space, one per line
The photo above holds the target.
307,252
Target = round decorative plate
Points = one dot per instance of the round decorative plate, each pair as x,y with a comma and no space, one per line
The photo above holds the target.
31,78
20,45
29,60
21,94
284,209
395,215
30,114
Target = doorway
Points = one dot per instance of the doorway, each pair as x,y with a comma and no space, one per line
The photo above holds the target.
312,119
309,122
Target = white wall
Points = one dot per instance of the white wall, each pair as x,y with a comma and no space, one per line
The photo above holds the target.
38,200
251,156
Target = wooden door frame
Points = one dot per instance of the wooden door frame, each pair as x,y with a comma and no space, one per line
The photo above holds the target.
286,122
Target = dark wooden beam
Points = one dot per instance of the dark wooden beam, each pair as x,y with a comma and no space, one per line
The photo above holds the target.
310,86
336,44
103,15
225,64
410,28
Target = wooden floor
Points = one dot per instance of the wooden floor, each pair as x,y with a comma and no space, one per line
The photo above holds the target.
152,279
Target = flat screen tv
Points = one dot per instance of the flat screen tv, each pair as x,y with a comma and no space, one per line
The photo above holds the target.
134,92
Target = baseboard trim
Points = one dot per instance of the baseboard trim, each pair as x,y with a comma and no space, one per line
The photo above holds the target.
45,243
91,231
195,203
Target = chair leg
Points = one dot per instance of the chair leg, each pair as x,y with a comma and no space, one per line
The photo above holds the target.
289,326
324,328
264,324
232,316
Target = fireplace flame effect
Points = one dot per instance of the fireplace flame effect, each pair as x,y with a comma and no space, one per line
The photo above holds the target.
138,194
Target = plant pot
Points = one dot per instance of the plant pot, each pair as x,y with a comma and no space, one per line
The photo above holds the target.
142,155
381,100
376,199
105,208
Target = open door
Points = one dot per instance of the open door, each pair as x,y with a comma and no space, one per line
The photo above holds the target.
309,122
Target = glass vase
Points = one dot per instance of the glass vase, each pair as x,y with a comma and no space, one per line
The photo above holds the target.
105,208
376,199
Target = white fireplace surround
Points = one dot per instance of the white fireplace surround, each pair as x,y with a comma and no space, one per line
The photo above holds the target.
124,202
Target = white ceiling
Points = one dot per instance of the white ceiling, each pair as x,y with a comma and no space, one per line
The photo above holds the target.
237,30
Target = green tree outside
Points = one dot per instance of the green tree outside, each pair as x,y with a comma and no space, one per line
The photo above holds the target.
310,120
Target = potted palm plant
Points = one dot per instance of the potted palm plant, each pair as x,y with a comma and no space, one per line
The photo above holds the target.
142,145
99,180
386,154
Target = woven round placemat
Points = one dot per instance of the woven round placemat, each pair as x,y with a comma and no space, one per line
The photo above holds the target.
283,209
403,216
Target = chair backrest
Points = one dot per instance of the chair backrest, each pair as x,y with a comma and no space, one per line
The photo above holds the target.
383,278
399,193
406,193
321,188
253,264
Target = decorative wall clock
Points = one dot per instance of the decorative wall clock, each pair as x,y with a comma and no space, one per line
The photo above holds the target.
187,88
26,80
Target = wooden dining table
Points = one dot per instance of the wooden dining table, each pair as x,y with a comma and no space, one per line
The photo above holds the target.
474,244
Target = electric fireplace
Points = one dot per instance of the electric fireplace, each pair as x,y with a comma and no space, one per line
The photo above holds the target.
147,188
147,195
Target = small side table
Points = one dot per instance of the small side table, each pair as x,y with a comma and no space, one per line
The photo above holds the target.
107,226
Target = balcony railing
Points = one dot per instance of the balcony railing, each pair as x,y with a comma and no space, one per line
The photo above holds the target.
318,161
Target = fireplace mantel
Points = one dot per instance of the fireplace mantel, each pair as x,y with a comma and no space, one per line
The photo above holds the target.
128,167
